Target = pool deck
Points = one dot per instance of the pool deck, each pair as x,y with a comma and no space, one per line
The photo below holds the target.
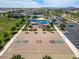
35,46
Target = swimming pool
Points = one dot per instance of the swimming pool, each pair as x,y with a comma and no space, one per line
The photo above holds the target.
41,21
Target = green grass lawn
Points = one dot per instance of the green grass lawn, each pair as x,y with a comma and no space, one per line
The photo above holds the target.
5,26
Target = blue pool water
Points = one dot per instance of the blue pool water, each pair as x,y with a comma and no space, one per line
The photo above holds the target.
41,21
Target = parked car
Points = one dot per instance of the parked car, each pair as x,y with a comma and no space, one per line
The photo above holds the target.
77,30
66,33
71,25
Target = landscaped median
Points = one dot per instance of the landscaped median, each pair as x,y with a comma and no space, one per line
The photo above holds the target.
68,42
10,42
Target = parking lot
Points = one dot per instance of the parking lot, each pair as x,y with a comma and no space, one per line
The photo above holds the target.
72,32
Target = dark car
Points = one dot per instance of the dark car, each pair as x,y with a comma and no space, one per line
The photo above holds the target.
71,25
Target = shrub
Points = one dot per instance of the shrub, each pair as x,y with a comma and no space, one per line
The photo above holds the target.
18,28
43,29
0,42
13,28
30,29
25,29
7,39
48,29
35,17
1,47
26,32
75,58
14,32
52,32
35,29
30,26
16,57
17,24
36,32
21,25
9,15
23,20
27,16
48,26
5,34
44,32
52,29
47,57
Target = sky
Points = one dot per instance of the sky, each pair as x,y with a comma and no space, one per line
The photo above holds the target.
38,3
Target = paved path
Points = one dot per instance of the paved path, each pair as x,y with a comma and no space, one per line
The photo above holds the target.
35,46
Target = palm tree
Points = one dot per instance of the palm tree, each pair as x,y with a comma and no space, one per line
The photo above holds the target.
16,57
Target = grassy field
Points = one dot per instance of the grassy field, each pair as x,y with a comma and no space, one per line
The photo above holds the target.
5,25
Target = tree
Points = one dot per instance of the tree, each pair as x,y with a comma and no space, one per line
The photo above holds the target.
35,17
62,26
47,57
64,20
16,57
52,24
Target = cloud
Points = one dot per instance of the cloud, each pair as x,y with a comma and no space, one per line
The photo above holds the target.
18,0
60,1
38,3
21,4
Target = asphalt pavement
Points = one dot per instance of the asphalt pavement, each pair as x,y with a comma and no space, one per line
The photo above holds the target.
72,32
